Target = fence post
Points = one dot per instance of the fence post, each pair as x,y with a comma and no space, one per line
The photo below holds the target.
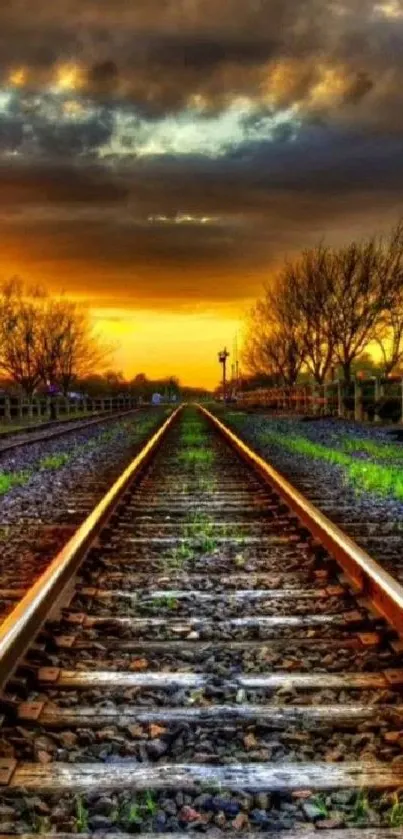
325,400
377,397
314,399
340,405
7,409
357,401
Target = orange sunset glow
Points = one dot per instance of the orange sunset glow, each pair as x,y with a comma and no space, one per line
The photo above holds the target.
159,160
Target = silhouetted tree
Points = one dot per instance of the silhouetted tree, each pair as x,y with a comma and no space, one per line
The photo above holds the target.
69,347
309,282
20,325
274,342
366,292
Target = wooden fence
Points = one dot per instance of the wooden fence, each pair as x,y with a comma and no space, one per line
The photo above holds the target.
363,399
19,410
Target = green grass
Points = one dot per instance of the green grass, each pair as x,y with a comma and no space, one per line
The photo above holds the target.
382,451
141,805
82,825
150,804
383,480
177,557
395,814
193,436
135,432
193,456
200,529
40,824
54,461
133,813
361,809
7,429
9,480
165,601
319,801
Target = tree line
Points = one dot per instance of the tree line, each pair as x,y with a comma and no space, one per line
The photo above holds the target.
326,308
45,342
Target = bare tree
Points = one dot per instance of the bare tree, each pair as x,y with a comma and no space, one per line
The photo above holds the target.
20,325
309,282
81,352
390,339
389,335
45,340
273,344
366,294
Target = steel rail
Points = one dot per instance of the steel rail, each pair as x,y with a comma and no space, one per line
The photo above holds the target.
50,433
373,582
20,627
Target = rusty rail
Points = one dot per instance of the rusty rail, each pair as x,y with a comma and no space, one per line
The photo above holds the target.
385,593
24,622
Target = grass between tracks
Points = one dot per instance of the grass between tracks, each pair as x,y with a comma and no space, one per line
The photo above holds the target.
139,810
201,531
133,431
383,479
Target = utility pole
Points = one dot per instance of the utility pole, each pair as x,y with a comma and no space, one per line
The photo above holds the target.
236,363
222,357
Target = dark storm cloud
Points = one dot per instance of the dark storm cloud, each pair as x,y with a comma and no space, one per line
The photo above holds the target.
269,200
163,52
24,184
71,199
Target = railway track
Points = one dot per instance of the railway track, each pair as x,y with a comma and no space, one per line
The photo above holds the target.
37,519
202,663
375,525
9,443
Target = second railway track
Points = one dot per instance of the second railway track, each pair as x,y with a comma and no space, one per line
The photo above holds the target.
10,442
208,668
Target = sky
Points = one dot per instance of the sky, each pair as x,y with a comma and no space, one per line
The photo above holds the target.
159,158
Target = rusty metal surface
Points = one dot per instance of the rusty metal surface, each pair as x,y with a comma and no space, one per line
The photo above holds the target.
384,592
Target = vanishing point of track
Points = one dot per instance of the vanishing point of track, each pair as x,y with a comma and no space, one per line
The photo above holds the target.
207,646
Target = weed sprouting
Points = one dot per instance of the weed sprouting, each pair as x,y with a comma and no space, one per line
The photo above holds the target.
40,824
9,480
82,821
195,696
361,808
133,812
150,803
319,801
200,529
156,603
205,484
139,806
194,456
394,816
54,461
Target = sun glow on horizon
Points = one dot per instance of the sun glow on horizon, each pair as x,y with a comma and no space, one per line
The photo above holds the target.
162,343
